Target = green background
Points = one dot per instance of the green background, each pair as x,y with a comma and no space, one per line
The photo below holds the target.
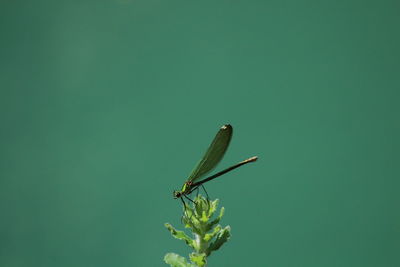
106,106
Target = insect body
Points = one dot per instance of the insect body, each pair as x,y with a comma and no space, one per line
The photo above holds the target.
210,160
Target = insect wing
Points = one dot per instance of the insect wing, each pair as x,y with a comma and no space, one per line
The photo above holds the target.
214,154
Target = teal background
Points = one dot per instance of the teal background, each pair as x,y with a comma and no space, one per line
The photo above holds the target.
106,106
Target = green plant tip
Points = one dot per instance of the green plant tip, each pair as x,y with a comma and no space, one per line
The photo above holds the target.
208,235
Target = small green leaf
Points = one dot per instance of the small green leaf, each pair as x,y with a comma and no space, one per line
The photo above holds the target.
174,260
222,237
192,223
204,217
213,207
179,235
199,259
209,236
216,220
201,205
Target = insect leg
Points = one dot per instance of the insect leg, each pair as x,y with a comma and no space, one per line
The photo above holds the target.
205,191
197,192
194,203
189,198
184,208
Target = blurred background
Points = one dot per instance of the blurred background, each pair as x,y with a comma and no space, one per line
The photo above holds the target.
106,106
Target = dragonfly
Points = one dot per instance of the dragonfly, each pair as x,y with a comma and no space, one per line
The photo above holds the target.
208,162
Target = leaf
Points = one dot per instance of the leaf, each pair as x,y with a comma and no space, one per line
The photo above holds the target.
209,236
201,205
192,223
222,237
213,207
199,259
175,260
204,217
180,235
216,220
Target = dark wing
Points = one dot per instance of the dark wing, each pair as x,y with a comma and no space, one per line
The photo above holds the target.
214,154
